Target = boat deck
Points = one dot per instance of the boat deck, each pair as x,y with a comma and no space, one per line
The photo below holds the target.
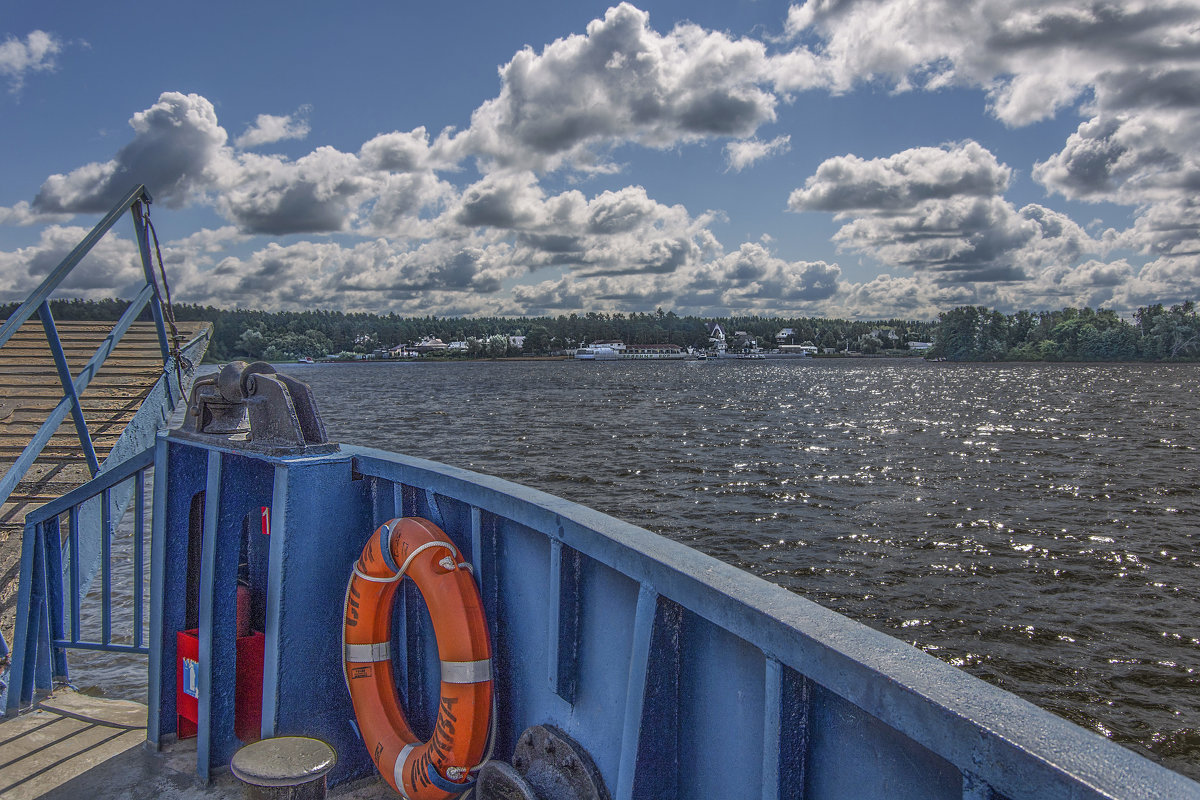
74,746
29,391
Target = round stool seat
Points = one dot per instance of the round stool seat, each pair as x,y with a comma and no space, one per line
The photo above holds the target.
284,766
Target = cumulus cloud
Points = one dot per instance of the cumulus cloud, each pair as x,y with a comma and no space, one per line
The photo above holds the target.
268,128
750,280
940,210
22,213
901,181
182,154
1132,69
35,54
396,230
1031,58
746,152
620,82
178,151
370,275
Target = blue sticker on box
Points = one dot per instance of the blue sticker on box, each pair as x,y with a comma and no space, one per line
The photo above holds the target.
191,678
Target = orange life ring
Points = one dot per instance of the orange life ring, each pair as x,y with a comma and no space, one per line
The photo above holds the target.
444,766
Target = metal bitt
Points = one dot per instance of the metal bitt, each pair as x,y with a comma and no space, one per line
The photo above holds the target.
547,765
265,411
284,768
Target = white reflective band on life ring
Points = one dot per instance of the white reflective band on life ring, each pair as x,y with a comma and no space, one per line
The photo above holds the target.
467,671
367,653
398,770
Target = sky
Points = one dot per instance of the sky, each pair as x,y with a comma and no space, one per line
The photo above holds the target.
864,159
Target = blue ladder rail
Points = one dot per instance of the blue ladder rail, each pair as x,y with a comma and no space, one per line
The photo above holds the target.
136,202
49,613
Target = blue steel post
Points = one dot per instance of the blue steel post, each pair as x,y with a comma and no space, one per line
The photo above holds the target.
20,688
237,487
106,565
73,571
320,520
52,555
139,558
179,479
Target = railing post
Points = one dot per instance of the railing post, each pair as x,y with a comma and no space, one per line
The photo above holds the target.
68,385
142,234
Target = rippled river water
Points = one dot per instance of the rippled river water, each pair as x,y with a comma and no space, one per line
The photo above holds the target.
1033,524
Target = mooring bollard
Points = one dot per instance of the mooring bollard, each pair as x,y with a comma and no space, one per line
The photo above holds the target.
284,768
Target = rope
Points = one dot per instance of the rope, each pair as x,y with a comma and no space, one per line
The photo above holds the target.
182,363
408,561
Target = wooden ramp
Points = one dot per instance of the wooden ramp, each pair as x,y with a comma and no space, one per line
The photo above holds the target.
30,389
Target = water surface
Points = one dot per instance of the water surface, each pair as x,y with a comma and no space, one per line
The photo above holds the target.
1033,524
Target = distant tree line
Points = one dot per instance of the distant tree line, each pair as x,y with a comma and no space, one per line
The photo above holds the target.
968,333
285,335
974,333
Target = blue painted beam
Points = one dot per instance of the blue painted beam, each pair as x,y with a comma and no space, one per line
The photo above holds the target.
68,384
142,235
635,693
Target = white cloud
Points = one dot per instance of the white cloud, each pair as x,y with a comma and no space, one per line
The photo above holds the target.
621,82
746,152
1132,68
23,213
35,54
112,267
901,181
1032,58
941,211
268,128
178,151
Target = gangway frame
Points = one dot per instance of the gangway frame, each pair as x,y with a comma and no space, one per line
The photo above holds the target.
136,202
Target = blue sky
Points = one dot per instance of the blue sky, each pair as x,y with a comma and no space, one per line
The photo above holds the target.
857,158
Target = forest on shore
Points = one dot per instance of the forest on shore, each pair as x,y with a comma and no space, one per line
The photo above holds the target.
967,333
974,333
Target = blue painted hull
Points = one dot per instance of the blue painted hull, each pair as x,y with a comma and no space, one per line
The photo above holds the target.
682,676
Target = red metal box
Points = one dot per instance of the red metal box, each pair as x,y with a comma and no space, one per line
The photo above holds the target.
247,705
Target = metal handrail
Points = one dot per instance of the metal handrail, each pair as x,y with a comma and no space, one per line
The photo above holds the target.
48,625
73,386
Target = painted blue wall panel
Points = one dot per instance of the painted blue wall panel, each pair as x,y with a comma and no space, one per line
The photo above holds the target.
522,563
853,754
179,476
608,603
721,695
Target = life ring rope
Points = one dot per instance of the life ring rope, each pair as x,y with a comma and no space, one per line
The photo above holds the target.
465,730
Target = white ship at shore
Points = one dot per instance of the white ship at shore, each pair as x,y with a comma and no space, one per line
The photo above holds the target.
619,351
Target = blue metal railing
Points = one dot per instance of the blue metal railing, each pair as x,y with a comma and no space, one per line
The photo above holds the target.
73,386
49,612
